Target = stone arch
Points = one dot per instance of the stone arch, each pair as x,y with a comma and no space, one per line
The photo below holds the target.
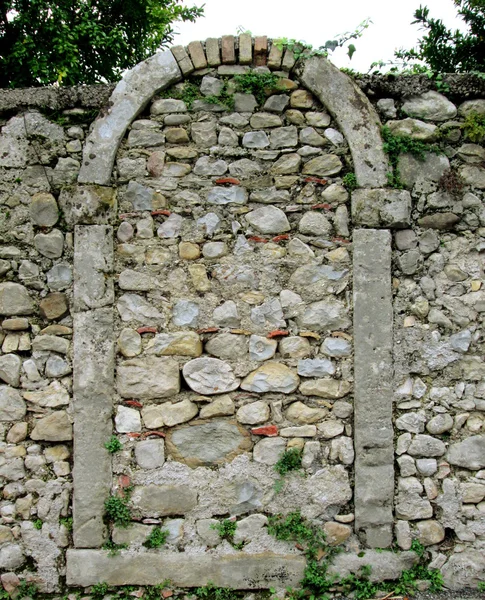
353,112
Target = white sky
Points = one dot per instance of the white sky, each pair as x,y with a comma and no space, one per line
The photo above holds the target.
317,21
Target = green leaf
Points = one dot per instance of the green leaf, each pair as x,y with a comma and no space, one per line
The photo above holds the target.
350,51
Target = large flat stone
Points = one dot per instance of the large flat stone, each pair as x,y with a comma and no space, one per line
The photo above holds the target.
237,571
129,98
93,389
354,114
93,262
164,500
373,326
381,208
464,570
385,566
148,378
203,443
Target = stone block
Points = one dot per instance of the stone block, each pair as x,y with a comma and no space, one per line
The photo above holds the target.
213,52
381,208
197,55
228,50
237,571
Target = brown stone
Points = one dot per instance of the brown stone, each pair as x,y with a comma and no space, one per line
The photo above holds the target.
260,51
336,533
275,57
228,50
156,163
54,306
197,55
213,52
245,49
441,221
176,135
301,99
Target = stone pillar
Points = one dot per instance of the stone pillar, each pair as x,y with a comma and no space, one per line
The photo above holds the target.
373,325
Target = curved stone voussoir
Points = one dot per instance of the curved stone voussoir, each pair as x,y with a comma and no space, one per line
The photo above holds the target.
129,98
354,114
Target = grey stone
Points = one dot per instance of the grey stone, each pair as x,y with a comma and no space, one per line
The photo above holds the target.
309,136
11,557
268,219
227,195
57,366
59,277
439,424
245,168
140,196
336,347
10,369
132,307
54,395
148,378
410,262
373,318
50,343
283,137
167,500
422,172
469,454
214,249
430,106
253,413
167,105
130,168
12,406
136,533
383,565
44,211
323,166
255,139
334,136
206,528
236,571
326,315
425,132
387,108
145,138
56,427
190,445
473,176
410,505
268,315
131,280
93,262
314,223
93,383
171,227
144,228
426,446
204,134
464,570
244,103
269,450
277,103
262,120
287,164
428,242
427,466
15,300
211,86
207,166
407,466
235,120
412,422
381,208
127,419
185,313
261,348
461,341
317,367
405,239
318,281
226,315
227,346
210,376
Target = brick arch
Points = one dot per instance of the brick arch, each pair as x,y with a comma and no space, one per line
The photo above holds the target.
338,93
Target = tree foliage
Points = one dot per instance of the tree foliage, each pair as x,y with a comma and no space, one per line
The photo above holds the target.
446,51
82,41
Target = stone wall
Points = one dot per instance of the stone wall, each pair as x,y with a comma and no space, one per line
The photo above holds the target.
193,279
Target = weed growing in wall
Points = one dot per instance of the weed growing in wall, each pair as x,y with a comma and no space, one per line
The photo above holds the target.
317,581
395,145
117,510
113,548
350,182
157,538
474,128
256,83
113,445
290,460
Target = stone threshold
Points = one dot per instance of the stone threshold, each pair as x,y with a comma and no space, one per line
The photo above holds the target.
237,571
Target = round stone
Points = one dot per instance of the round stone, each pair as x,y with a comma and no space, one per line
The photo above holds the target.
253,413
43,210
210,376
